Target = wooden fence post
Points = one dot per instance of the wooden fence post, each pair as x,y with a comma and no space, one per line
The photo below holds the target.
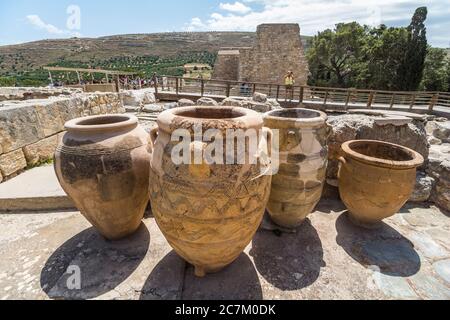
156,86
325,100
392,101
370,100
413,102
278,92
302,94
177,89
228,89
202,92
347,100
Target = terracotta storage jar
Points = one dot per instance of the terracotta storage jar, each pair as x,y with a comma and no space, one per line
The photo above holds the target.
303,156
103,164
376,179
208,212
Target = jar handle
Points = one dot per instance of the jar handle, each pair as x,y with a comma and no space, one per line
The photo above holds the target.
268,132
154,135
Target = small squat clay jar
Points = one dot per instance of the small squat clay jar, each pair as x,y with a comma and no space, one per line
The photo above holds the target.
103,164
376,179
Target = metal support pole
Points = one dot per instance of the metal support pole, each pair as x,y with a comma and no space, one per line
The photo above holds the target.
50,77
79,77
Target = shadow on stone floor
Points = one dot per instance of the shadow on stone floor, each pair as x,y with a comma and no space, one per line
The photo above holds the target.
103,264
330,206
166,280
289,261
239,281
384,248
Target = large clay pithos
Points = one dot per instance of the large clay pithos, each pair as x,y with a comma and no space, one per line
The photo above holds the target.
208,212
376,179
103,164
303,158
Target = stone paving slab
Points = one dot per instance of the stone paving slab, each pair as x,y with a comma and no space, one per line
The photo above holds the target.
35,189
327,258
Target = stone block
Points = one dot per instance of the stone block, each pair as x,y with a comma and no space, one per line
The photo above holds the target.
256,106
207,102
171,105
423,188
429,287
152,108
231,102
19,126
71,108
186,103
41,151
442,268
12,162
442,131
260,97
138,98
50,118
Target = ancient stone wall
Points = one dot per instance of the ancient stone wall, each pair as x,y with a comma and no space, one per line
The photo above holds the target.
30,130
227,66
277,50
100,87
30,93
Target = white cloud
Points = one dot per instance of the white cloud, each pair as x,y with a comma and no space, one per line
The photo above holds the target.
314,16
237,7
36,21
195,24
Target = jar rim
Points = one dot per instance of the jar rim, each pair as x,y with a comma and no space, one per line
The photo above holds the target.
413,160
102,122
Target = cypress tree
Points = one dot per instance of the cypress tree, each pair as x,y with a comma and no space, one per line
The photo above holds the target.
411,70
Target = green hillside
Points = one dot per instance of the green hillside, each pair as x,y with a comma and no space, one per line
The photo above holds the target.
164,53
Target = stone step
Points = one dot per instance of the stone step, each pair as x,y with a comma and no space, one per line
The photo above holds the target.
35,190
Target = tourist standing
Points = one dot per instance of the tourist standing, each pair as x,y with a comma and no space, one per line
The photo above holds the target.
289,82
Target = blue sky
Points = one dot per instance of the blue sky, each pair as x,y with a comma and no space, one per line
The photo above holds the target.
28,20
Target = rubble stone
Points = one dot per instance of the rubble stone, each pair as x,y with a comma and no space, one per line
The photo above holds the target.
207,102
424,187
260,97
138,98
186,103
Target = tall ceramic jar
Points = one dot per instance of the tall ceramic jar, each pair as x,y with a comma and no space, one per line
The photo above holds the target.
208,211
103,164
303,159
376,179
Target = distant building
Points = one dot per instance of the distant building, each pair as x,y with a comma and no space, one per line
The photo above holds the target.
278,49
197,70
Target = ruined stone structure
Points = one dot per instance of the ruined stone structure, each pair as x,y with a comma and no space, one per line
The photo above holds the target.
31,128
278,49
227,65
